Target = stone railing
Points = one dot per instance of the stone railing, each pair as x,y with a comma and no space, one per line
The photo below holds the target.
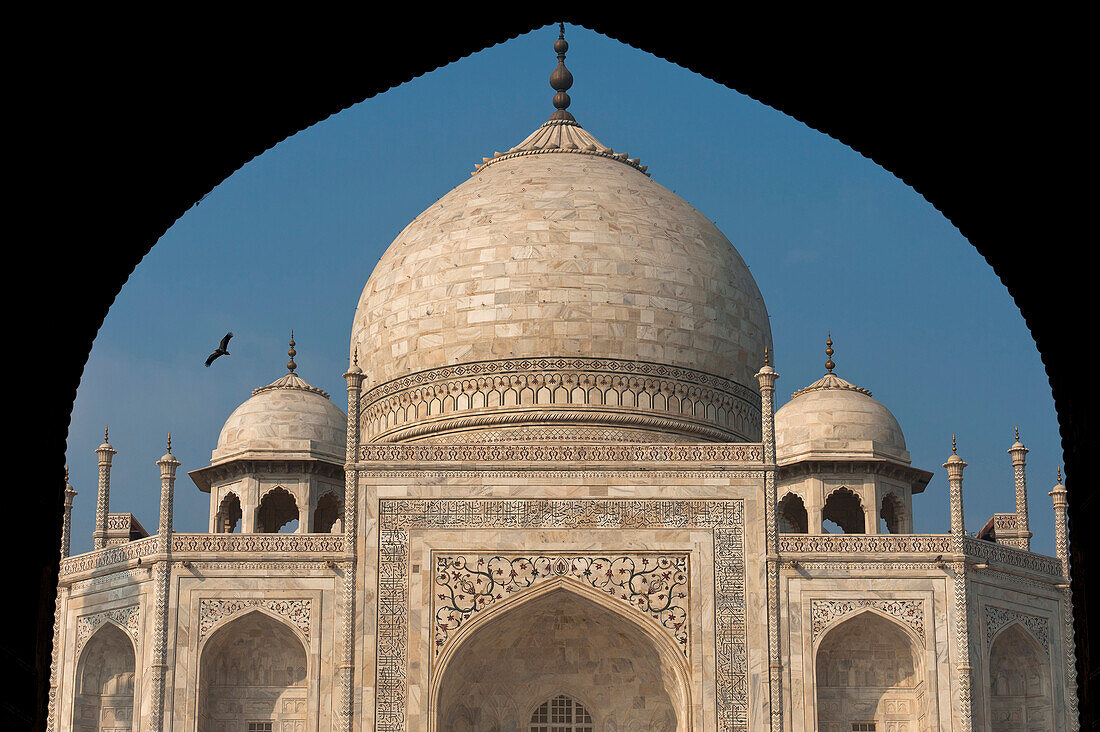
183,544
109,556
509,453
992,552
864,543
263,543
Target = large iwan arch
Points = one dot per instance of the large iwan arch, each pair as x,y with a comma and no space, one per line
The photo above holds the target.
561,639
1019,683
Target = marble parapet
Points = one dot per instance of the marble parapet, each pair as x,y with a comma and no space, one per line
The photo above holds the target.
470,455
272,547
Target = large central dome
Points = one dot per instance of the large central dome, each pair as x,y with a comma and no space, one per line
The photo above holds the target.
561,293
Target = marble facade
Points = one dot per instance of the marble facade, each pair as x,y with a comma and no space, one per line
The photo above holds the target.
561,484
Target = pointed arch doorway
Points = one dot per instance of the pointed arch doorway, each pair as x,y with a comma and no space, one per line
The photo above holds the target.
561,657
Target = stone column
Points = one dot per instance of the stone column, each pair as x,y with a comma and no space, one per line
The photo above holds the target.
67,516
1023,533
767,376
1061,548
103,502
162,571
954,467
346,676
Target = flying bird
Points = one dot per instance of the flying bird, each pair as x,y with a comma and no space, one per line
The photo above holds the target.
222,349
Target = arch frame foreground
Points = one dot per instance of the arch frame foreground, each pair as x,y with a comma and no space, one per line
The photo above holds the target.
925,671
671,655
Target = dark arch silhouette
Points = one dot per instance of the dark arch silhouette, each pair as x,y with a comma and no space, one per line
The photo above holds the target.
983,127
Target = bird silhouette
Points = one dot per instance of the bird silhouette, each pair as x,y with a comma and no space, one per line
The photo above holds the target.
222,349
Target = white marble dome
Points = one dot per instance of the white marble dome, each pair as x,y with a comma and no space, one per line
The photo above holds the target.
835,419
287,419
556,257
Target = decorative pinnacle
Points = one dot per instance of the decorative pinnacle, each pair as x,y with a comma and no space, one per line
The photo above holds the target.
1059,474
954,448
292,353
105,432
767,357
829,365
169,442
1017,433
355,356
561,80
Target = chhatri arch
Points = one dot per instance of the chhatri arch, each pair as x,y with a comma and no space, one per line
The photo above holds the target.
858,700
647,634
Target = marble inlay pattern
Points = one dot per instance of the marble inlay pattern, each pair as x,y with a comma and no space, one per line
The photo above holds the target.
127,618
653,584
691,453
824,613
211,611
725,518
997,618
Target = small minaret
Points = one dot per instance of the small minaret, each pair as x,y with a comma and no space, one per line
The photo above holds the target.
766,377
954,467
67,516
1023,533
168,465
1061,544
103,501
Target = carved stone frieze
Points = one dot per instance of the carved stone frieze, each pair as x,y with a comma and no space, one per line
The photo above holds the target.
668,453
654,584
213,610
127,618
997,618
600,391
327,543
864,543
991,552
106,557
724,518
823,613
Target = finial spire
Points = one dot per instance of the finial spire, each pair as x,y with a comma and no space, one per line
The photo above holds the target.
106,430
767,357
829,365
954,447
355,356
292,353
169,442
1017,433
561,80
1059,473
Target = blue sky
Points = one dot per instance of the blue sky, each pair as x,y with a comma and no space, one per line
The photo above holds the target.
835,243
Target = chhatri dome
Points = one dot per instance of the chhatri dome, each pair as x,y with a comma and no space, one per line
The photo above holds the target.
287,419
832,418
561,293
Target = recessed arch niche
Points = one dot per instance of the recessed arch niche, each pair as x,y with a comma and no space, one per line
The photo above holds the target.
105,682
254,668
868,669
561,639
1019,683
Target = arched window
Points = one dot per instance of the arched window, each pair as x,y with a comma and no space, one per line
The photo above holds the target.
228,518
326,513
844,509
891,513
792,515
561,714
277,509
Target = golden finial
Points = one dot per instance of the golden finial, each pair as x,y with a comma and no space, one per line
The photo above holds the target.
169,442
1017,433
1059,474
292,353
829,365
105,432
954,449
767,357
355,356
66,473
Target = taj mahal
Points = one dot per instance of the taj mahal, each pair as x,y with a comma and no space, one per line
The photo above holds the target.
562,499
